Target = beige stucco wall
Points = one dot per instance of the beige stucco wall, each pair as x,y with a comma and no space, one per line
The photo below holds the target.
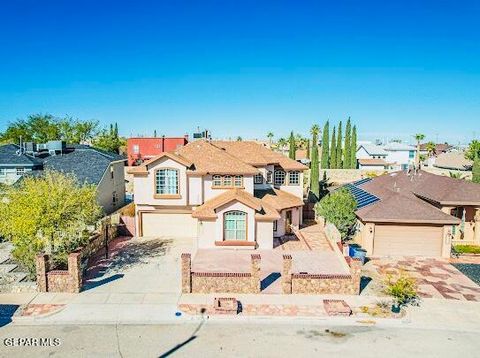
206,234
264,171
296,220
108,185
195,190
296,190
264,235
144,185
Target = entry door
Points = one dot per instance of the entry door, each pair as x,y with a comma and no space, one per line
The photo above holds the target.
288,222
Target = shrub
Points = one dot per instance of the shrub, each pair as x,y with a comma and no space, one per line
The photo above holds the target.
467,249
402,288
50,213
338,208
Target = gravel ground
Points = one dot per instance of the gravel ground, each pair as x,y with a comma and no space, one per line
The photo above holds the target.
472,271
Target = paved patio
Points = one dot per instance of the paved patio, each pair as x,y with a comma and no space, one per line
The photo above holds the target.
435,278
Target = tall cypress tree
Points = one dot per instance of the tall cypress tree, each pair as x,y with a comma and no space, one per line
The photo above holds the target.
308,148
314,175
325,146
346,147
353,149
293,147
333,151
339,147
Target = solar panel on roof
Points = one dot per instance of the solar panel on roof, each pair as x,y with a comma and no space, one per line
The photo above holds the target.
362,197
362,181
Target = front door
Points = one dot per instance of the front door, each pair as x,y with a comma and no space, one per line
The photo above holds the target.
288,222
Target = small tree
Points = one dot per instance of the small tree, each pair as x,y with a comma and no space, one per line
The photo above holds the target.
47,213
293,146
402,288
347,146
270,137
338,208
333,151
353,149
109,140
473,150
476,170
325,146
314,173
418,137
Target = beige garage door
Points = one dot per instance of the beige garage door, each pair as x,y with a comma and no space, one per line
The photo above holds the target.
171,225
398,240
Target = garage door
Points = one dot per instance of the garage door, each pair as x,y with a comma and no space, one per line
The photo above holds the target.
171,225
397,240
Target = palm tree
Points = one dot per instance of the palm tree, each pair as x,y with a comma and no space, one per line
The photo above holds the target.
418,137
430,147
270,137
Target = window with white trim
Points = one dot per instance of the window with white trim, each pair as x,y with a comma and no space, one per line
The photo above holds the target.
279,177
269,177
275,224
20,171
166,182
3,172
258,178
294,178
235,225
136,149
217,180
227,180
114,197
238,182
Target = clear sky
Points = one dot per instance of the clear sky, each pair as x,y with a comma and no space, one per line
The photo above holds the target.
246,67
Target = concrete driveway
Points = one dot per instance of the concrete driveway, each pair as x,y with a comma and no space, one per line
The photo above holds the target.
436,278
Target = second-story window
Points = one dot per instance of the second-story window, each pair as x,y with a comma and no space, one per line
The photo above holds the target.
269,177
258,179
217,180
136,149
166,182
279,177
238,183
3,172
20,171
227,180
293,178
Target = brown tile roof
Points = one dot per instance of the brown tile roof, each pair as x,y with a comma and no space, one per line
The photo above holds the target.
405,198
278,199
372,162
453,160
263,210
143,169
209,159
439,147
258,155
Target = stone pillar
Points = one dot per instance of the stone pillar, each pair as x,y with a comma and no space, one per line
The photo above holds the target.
476,236
255,267
186,273
287,274
75,272
356,272
41,264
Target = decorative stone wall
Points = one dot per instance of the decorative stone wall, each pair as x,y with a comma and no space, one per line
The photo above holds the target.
221,282
348,284
59,280
96,242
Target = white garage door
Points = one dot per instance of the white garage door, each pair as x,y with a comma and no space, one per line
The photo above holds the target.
171,225
398,240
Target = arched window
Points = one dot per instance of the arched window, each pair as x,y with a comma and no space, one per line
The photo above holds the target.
235,225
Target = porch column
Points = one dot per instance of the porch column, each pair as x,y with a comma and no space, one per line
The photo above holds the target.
255,270
476,236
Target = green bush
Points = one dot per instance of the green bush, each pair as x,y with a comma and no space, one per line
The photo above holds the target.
402,288
338,208
467,249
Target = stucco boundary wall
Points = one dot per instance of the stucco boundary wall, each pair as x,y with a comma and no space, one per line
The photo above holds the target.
342,176
220,282
69,280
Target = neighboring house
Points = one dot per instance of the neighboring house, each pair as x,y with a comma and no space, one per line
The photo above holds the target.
140,149
89,165
400,156
453,161
439,148
14,163
416,214
371,156
226,194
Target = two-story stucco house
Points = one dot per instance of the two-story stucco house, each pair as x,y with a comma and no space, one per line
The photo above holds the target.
225,194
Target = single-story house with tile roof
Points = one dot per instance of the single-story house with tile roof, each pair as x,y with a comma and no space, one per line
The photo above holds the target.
89,165
416,214
453,161
225,194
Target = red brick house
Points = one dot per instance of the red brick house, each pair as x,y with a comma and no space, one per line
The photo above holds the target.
140,149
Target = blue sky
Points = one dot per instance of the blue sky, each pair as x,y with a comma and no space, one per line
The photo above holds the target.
246,67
